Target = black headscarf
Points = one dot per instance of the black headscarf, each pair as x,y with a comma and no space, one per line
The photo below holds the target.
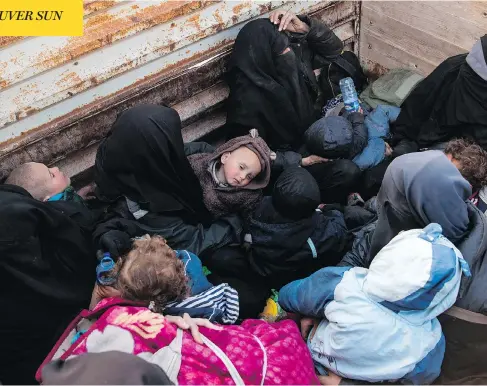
107,368
450,102
270,91
418,189
143,159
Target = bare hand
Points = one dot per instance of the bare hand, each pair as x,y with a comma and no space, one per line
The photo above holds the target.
313,159
388,150
306,325
330,379
288,21
188,323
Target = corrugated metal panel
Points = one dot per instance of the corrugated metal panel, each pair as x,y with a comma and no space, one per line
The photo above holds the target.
49,83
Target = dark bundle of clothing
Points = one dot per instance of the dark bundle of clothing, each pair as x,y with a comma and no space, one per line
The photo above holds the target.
142,170
419,189
450,102
289,237
106,368
274,92
337,137
47,268
221,201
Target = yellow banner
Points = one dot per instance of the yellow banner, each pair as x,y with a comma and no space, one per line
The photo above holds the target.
41,17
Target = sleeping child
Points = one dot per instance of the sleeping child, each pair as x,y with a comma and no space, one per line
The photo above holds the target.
232,176
256,352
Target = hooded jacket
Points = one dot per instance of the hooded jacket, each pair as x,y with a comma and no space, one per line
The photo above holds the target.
221,201
284,250
450,102
290,237
380,323
337,137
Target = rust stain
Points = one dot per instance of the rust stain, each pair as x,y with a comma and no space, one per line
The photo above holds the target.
265,7
97,6
29,111
238,8
195,20
135,6
235,19
106,29
3,83
173,25
6,40
218,17
98,19
68,78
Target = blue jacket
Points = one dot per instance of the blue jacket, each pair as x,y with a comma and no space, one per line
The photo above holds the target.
377,125
194,271
380,323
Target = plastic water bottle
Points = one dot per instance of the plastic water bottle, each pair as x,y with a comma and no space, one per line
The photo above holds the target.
350,98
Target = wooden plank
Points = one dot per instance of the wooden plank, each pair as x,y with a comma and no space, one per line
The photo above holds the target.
407,38
377,55
433,19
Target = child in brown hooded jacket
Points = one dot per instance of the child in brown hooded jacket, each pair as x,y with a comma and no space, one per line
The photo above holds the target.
233,176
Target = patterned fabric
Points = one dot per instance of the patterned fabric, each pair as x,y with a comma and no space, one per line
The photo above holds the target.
262,353
218,304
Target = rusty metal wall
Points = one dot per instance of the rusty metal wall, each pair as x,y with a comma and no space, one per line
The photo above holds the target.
59,95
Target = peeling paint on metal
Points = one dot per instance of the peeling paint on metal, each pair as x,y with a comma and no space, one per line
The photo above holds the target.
131,49
6,40
97,5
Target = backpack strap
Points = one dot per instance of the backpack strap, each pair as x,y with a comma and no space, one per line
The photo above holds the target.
237,379
169,358
346,66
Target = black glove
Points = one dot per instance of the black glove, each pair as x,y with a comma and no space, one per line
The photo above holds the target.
117,243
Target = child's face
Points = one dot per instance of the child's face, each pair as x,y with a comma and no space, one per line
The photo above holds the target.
240,166
53,179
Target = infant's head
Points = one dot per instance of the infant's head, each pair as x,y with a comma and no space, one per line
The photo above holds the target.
240,166
151,272
39,180
296,194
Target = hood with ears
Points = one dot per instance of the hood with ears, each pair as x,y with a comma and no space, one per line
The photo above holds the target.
259,147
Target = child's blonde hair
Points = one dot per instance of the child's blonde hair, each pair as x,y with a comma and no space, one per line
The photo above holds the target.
151,272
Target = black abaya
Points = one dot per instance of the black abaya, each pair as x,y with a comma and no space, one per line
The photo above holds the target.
450,102
275,92
47,274
143,159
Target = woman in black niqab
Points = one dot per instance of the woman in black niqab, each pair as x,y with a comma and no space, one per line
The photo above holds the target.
270,90
143,159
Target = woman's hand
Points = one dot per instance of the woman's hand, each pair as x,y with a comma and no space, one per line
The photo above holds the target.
313,159
188,323
288,21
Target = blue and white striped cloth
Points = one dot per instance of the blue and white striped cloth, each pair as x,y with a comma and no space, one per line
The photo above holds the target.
218,304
